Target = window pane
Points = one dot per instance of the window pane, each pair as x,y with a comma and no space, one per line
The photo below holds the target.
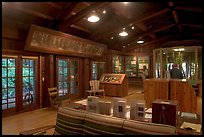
25,71
11,82
4,72
31,72
4,93
25,63
4,82
11,72
4,106
11,62
11,100
11,105
31,63
11,92
4,62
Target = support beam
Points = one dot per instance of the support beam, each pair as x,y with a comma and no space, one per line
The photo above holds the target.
101,35
133,38
64,25
193,9
144,28
145,44
28,11
54,5
175,15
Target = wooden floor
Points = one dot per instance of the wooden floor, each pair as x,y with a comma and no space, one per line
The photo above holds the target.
12,125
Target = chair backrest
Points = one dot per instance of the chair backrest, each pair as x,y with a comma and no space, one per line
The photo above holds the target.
94,84
52,92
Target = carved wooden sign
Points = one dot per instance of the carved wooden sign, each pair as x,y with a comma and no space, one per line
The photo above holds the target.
50,41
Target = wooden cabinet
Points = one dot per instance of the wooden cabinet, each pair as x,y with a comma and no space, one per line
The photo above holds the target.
115,85
155,89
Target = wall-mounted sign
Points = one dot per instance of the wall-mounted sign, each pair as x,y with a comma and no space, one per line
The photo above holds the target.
50,41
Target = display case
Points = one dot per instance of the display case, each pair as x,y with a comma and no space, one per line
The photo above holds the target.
130,66
115,85
189,60
118,64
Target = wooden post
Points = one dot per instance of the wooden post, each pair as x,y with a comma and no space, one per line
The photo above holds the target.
196,63
154,63
161,69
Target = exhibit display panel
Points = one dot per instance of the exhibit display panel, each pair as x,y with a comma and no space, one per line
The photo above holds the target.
115,85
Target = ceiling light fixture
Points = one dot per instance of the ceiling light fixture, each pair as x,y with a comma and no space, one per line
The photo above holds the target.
140,41
133,27
104,11
93,18
123,33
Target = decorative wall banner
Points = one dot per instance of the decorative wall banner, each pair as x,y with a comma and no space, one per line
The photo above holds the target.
50,41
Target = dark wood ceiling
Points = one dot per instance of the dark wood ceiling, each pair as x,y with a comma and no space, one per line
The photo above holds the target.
152,21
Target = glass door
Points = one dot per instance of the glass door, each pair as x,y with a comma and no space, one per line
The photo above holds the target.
9,84
19,84
68,77
29,82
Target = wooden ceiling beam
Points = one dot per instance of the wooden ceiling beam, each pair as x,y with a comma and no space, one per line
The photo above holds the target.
191,25
136,37
29,11
144,28
133,21
145,44
65,24
193,9
175,15
54,5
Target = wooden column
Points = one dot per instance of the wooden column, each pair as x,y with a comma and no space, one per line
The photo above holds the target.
196,64
161,63
154,64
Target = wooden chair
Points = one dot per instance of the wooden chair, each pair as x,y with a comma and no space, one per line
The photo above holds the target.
53,94
95,88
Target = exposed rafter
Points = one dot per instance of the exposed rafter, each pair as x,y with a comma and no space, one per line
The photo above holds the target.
65,24
29,11
101,35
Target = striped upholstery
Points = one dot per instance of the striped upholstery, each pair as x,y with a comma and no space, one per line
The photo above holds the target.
69,121
97,124
76,122
131,127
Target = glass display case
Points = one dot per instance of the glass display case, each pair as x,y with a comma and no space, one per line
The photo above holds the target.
118,64
130,66
188,58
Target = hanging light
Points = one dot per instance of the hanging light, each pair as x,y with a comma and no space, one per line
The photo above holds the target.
93,18
140,41
123,33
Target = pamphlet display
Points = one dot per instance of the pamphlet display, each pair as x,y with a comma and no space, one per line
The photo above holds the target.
92,104
105,107
119,107
137,110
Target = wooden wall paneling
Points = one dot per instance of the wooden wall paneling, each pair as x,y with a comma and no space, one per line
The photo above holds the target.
10,44
86,75
49,78
155,89
14,34
184,93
